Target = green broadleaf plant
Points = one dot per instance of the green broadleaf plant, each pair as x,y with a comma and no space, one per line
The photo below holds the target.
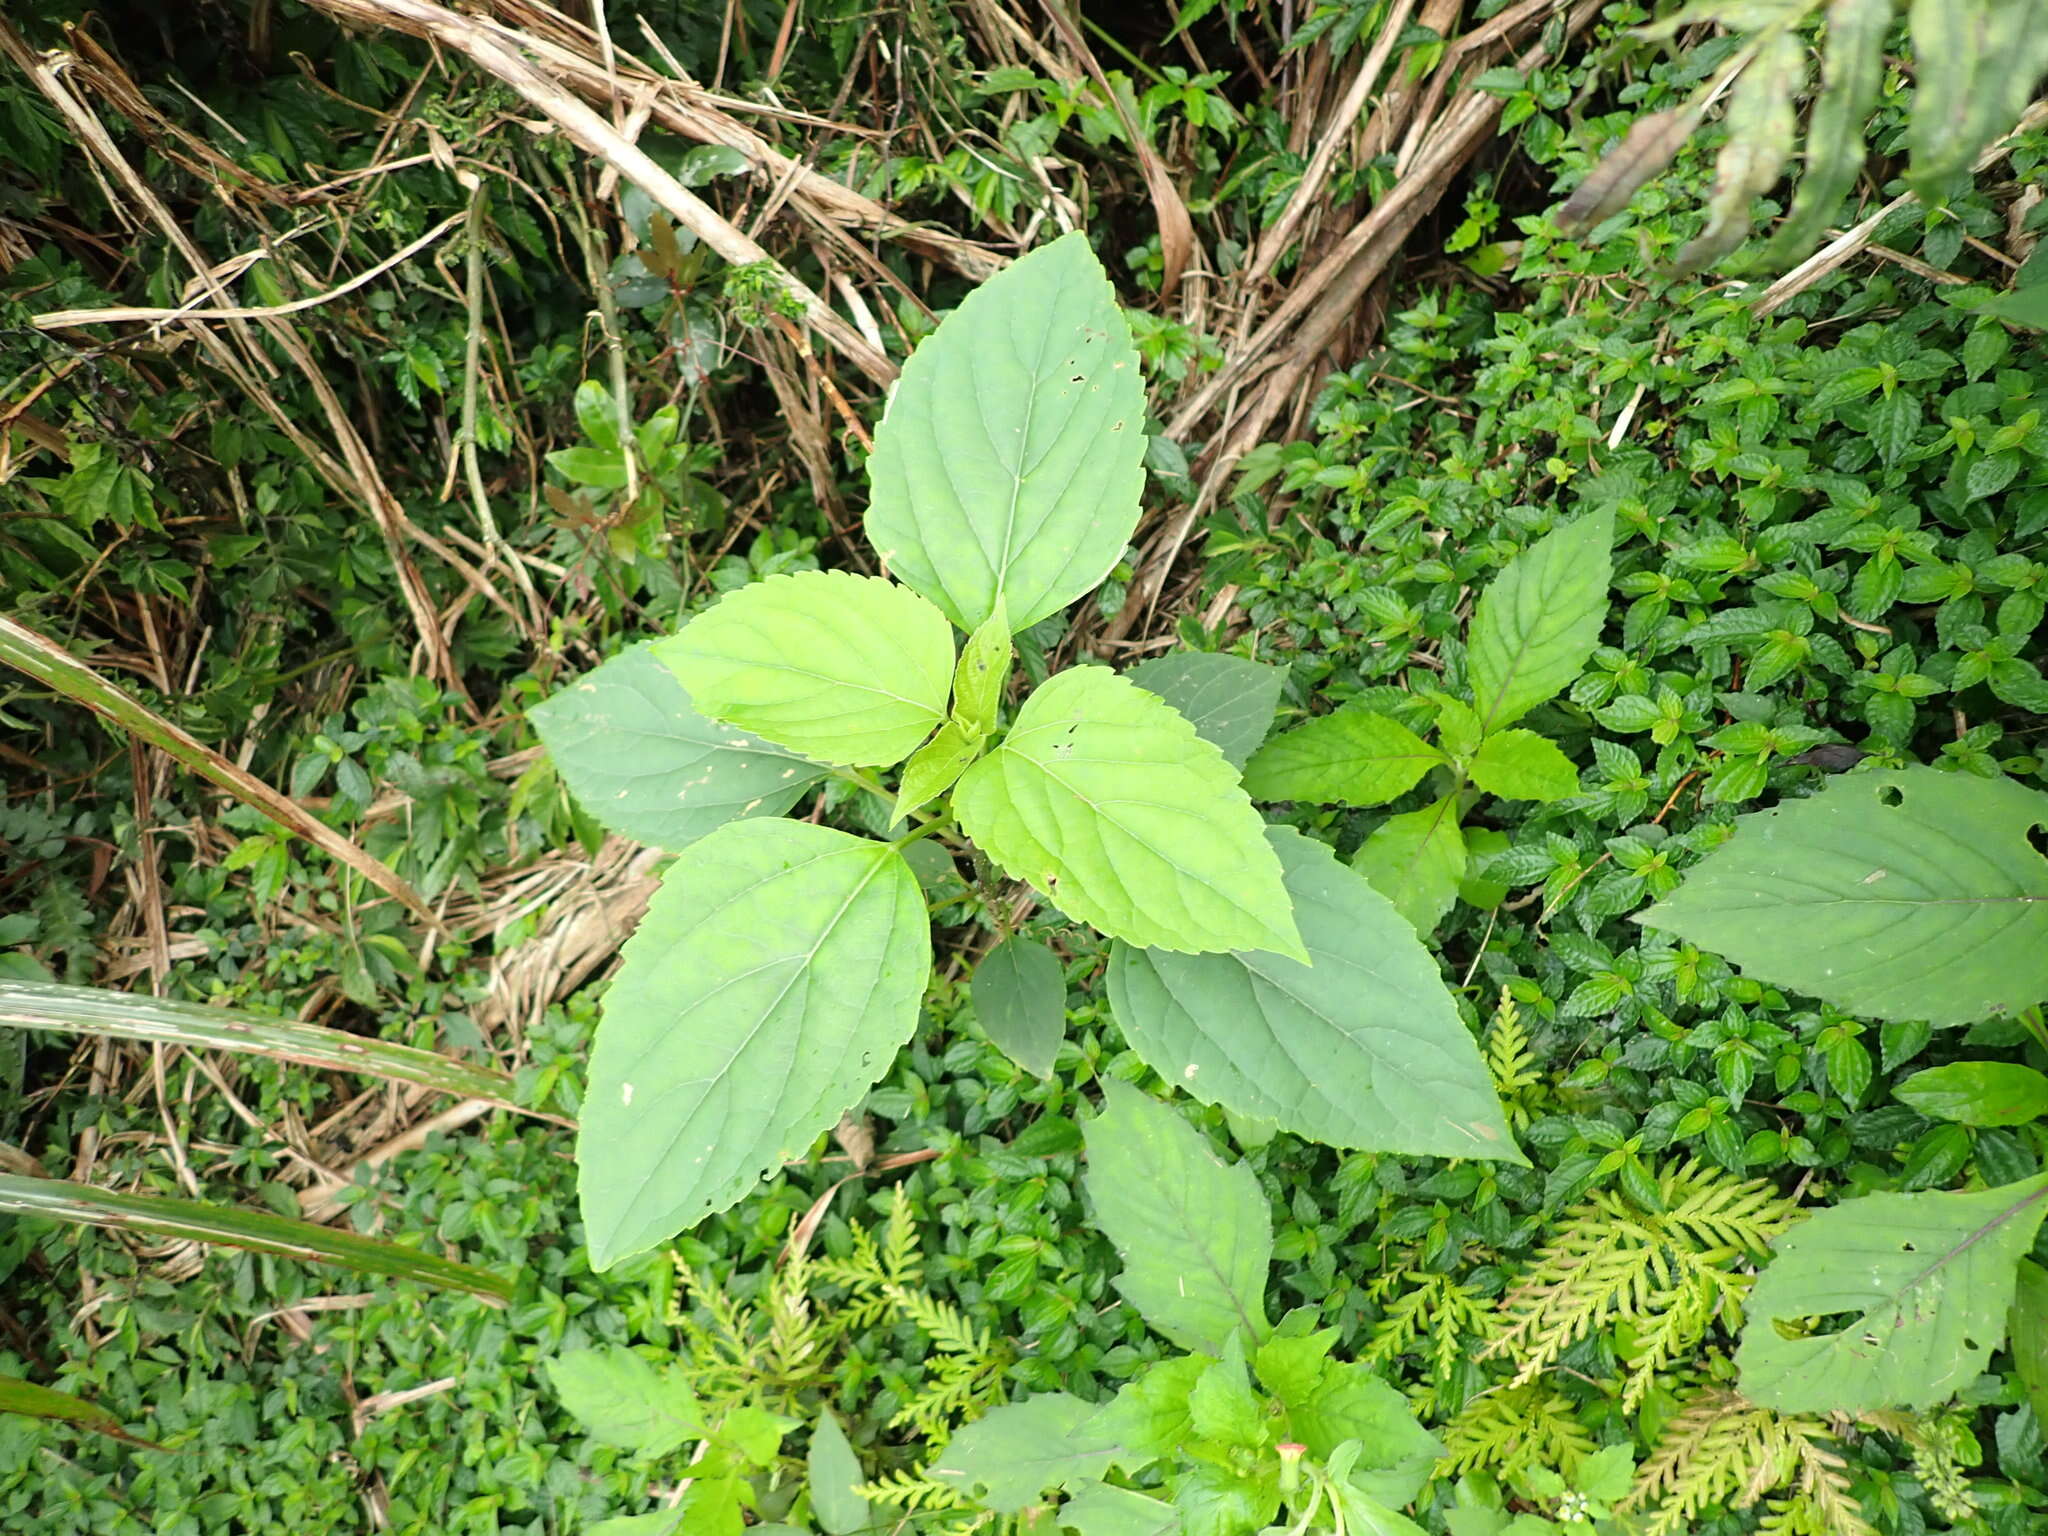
1256,1427
1911,895
780,966
1532,631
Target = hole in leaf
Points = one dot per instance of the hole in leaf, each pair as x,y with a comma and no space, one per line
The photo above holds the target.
1908,1247
1970,1343
1890,795
2037,839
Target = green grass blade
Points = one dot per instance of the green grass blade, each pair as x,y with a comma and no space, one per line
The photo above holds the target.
120,1016
32,1401
257,1231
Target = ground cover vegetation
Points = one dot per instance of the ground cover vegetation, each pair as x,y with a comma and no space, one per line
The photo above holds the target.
1591,620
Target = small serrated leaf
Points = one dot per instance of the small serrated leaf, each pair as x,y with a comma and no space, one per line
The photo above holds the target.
1417,860
1011,1455
1353,757
622,1399
1538,621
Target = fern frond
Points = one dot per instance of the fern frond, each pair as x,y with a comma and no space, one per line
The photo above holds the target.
1720,1448
1668,1273
945,1324
1512,1429
1822,1502
1510,1061
1940,1448
796,1341
902,1263
911,1491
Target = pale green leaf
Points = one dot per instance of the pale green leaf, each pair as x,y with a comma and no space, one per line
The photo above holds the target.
1977,1093
662,1522
934,768
1010,458
622,1399
1908,1295
754,1431
1229,700
842,668
775,974
646,765
1760,122
1352,1403
1107,802
1011,1455
2022,306
1362,1048
1353,757
1416,860
1222,1406
1897,894
238,1226
1975,66
1148,1418
1020,997
1539,620
1194,1234
1100,1510
834,1472
1521,765
982,674
604,468
1852,72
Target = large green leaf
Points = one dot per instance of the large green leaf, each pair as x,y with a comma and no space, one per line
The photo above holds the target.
1363,1048
1416,860
842,668
1759,124
1539,620
1194,1234
1229,700
1009,1456
1903,894
1977,1093
1020,997
624,1400
645,764
1010,458
1105,800
1925,1282
1353,757
235,1226
773,978
1852,71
